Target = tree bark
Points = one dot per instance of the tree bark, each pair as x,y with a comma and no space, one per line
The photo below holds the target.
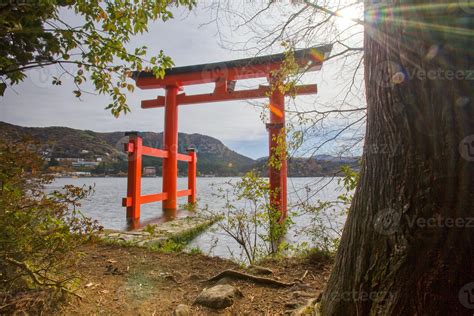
408,243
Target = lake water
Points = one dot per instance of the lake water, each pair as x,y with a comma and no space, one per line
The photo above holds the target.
105,205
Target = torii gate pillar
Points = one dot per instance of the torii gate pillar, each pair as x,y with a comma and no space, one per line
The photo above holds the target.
224,76
277,151
170,142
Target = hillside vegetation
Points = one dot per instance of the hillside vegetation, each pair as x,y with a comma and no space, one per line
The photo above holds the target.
214,158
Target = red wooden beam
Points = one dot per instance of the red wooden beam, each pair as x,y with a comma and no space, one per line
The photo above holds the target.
261,92
145,199
183,157
213,75
154,198
184,193
154,152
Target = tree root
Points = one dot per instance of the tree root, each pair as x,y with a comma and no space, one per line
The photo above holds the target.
244,276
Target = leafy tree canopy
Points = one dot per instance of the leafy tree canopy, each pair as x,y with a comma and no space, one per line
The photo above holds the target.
33,34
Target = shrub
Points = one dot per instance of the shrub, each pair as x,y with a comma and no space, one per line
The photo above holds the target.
40,231
249,219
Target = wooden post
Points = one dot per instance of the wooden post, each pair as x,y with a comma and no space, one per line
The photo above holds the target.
277,151
192,175
170,164
134,149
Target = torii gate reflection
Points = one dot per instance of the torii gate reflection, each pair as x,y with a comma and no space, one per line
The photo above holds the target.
224,75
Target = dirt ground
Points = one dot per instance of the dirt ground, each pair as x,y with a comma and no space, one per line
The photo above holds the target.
135,281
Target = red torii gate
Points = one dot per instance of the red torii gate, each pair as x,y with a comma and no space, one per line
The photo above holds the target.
224,75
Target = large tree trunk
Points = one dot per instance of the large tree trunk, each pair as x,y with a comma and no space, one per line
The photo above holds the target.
408,243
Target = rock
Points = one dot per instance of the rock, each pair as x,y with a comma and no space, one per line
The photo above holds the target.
182,310
156,242
260,270
218,297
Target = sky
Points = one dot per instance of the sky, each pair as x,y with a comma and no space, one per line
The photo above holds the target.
36,103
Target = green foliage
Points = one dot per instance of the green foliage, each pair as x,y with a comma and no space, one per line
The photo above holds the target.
325,230
40,232
172,246
151,229
249,218
349,181
34,34
284,79
195,251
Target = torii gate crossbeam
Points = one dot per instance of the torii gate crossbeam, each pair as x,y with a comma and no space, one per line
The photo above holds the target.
224,75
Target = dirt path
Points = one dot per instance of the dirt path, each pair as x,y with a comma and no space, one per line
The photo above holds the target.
136,281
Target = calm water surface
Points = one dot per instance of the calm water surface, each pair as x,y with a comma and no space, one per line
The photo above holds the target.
106,205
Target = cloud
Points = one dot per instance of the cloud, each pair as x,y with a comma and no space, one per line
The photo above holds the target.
36,103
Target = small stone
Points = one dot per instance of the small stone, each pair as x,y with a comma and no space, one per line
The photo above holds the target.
182,310
154,242
218,296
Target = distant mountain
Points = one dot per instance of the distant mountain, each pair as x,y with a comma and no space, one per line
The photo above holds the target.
348,160
106,151
214,158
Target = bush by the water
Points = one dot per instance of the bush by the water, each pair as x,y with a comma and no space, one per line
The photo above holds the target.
40,232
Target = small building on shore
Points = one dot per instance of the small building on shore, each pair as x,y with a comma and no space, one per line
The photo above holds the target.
149,172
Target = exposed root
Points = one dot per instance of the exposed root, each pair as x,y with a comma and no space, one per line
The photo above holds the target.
244,276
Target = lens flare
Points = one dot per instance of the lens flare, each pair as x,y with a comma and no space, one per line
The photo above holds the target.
276,111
